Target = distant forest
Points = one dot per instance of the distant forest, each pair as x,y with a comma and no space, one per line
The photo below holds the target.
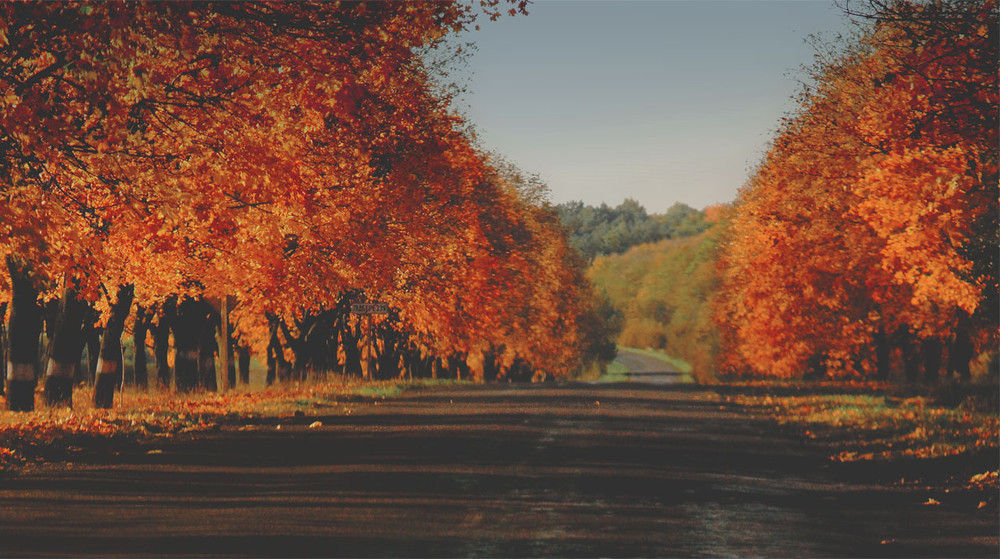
602,230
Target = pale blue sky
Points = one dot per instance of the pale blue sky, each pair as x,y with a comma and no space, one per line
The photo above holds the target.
660,101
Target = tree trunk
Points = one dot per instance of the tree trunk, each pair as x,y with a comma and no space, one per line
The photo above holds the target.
352,354
882,353
960,354
139,331
65,349
300,357
282,369
110,365
187,329
243,354
3,345
93,341
932,359
22,339
161,341
226,352
207,347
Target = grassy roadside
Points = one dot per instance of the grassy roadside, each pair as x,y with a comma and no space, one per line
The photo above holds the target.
51,433
884,424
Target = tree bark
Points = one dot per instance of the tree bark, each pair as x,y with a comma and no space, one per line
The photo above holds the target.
350,339
3,346
277,366
65,349
910,348
93,342
932,359
22,339
243,354
139,331
207,348
300,359
882,354
960,353
109,367
161,341
187,329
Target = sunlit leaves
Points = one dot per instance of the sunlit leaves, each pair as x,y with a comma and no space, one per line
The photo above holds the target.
873,213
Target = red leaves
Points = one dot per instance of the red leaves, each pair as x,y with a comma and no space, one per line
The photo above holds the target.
870,215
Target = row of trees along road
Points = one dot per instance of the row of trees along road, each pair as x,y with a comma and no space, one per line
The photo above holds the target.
290,158
867,241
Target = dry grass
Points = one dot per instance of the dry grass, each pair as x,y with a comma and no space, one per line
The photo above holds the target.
27,437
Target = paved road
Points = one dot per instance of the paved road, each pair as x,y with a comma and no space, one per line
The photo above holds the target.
646,368
580,470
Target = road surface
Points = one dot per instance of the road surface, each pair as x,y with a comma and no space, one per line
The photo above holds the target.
647,368
620,470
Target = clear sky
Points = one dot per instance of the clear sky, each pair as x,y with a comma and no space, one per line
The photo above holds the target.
660,101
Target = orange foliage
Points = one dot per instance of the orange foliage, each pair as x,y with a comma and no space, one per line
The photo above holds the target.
284,153
872,219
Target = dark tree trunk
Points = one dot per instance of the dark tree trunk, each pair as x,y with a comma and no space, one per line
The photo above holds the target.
491,368
50,317
932,359
65,349
960,354
388,356
230,366
317,342
83,369
187,329
110,367
882,354
207,348
909,349
300,355
139,331
23,333
3,346
93,342
243,354
161,341
278,367
349,340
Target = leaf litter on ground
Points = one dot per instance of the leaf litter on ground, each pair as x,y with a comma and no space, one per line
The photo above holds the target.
37,436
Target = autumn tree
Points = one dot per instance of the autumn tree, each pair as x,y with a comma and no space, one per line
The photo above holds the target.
149,157
286,154
868,234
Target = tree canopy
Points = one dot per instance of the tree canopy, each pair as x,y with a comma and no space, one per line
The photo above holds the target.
606,230
868,236
296,156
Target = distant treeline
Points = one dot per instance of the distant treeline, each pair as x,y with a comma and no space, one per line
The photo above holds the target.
606,230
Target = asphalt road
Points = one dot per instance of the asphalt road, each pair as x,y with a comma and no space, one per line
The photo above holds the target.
496,471
646,368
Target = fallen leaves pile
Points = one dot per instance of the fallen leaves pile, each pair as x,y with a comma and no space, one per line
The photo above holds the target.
882,427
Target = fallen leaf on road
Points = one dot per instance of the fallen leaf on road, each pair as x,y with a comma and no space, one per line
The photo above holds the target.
932,502
315,424
155,451
982,505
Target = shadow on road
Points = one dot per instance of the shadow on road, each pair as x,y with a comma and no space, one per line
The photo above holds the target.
504,470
